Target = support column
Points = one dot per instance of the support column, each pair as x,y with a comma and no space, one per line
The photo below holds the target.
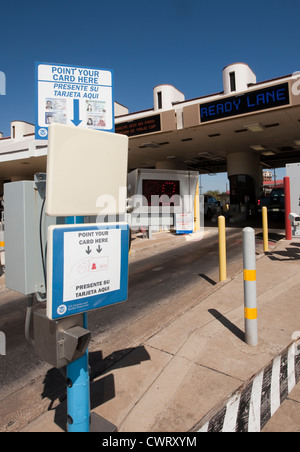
245,175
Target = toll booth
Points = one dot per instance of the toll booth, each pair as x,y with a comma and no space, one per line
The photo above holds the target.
163,200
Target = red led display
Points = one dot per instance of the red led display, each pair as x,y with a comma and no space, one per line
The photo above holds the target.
169,188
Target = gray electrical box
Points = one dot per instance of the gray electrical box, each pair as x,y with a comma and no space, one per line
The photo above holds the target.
293,172
26,227
60,342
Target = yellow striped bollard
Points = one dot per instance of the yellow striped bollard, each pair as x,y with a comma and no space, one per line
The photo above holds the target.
265,229
250,296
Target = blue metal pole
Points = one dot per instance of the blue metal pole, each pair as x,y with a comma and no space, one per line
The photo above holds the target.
74,220
78,394
78,381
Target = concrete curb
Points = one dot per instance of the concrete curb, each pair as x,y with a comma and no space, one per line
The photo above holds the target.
250,407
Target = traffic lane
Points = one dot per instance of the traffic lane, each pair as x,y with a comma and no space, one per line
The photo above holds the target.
194,256
163,277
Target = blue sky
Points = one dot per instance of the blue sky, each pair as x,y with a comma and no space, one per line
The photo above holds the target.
185,43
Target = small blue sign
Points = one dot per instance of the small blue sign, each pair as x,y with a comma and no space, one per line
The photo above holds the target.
87,267
184,223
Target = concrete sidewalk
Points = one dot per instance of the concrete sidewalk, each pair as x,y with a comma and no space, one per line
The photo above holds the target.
198,367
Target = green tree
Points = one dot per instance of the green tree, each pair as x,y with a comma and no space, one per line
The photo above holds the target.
215,193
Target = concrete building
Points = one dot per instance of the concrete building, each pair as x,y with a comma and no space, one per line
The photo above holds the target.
248,126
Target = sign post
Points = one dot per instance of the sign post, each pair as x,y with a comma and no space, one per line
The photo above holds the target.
87,264
87,268
78,394
78,382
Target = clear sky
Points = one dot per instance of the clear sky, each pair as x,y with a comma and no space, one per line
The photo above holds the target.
185,43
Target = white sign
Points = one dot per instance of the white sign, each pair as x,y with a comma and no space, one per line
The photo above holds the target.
91,263
184,223
87,267
72,95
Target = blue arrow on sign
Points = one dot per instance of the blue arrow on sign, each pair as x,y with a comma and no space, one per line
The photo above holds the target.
76,121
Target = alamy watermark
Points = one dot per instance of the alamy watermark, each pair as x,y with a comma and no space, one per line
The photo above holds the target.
2,84
296,84
158,211
2,343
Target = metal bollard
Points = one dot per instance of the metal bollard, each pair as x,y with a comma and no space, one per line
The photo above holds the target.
251,334
265,229
287,208
222,248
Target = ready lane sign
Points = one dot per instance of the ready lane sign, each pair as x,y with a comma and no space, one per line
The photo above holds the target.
72,95
87,267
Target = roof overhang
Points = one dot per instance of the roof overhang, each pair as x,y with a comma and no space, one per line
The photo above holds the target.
195,141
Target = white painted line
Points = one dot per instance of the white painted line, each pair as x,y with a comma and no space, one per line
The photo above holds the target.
275,385
255,404
231,414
